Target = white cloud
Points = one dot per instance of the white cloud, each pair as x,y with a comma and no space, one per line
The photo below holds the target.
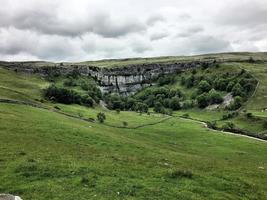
76,30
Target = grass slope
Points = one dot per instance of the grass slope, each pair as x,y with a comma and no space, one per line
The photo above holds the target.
47,155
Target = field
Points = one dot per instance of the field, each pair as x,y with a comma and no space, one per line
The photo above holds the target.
52,152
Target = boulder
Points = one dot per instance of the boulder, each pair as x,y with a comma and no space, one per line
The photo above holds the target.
9,197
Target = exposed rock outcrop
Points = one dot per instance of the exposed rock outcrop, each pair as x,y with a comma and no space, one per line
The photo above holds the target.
9,197
127,79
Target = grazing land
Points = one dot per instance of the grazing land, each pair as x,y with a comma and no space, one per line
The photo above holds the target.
53,149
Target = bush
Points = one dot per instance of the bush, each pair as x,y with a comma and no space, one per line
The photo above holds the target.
62,95
187,104
249,115
165,80
221,84
158,108
237,90
212,125
87,100
186,115
236,104
203,100
229,126
189,81
69,82
175,103
101,117
229,115
215,97
141,107
230,86
125,124
203,86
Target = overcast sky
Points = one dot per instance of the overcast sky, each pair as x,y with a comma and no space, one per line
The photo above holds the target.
76,30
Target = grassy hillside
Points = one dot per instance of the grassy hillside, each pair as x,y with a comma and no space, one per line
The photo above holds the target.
53,152
110,63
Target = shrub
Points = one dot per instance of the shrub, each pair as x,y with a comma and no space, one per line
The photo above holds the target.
62,95
237,90
189,81
87,100
186,115
229,126
215,97
165,80
187,104
141,107
229,115
69,82
212,125
221,84
158,107
101,117
230,86
175,103
125,124
203,100
249,115
236,104
203,86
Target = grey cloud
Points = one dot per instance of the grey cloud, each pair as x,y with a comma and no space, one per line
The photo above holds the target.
158,36
96,29
48,21
208,44
106,26
190,31
153,19
243,13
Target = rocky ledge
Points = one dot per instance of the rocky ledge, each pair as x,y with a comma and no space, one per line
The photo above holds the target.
9,197
127,79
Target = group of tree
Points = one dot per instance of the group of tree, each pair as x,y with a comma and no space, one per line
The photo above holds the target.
210,86
207,98
67,96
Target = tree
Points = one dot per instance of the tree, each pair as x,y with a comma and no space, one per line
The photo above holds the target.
237,103
203,86
158,107
87,100
230,86
141,107
189,82
215,97
237,90
221,84
203,100
101,117
175,103
124,123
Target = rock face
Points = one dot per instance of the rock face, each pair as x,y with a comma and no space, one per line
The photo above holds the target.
127,79
9,197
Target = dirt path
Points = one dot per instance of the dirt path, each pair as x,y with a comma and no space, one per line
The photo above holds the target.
224,132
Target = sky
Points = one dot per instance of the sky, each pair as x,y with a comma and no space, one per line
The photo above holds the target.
79,30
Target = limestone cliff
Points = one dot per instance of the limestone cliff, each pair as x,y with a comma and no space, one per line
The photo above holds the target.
127,79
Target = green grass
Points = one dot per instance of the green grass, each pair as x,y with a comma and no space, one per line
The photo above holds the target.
20,87
45,155
113,118
111,63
